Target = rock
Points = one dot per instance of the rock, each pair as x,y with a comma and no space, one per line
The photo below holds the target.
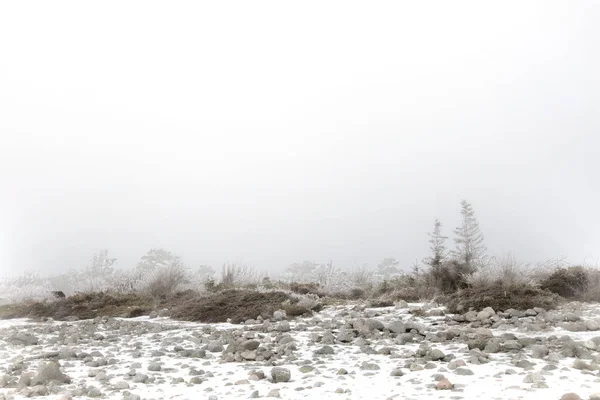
463,371
154,367
365,366
471,316
454,364
539,351
592,325
485,314
283,326
214,347
401,304
250,344
345,336
23,338
436,355
533,378
279,315
121,385
477,343
48,372
248,355
397,372
140,378
274,393
130,396
365,326
280,374
325,350
570,396
153,315
444,384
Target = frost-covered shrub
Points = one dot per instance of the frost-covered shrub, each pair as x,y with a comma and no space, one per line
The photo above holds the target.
164,281
569,282
97,276
238,275
308,301
26,287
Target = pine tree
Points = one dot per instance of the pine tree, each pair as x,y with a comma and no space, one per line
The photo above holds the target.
470,249
437,246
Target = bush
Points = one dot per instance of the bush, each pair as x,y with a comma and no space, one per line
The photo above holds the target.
520,297
569,282
451,276
409,287
237,305
234,275
82,306
592,292
164,281
305,288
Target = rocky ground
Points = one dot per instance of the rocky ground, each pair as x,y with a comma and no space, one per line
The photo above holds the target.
411,351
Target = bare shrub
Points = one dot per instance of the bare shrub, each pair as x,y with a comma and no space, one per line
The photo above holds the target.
307,301
451,275
504,271
592,292
569,283
409,287
238,306
520,297
164,281
362,278
27,287
238,275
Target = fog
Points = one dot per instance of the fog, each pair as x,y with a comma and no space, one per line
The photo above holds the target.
268,133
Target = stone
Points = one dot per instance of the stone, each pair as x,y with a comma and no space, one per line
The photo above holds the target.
365,366
154,366
283,326
48,372
436,355
463,371
471,316
570,396
325,350
23,338
250,344
280,374
279,315
539,351
444,384
397,372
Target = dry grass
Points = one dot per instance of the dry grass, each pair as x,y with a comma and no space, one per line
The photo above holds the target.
237,305
519,297
82,306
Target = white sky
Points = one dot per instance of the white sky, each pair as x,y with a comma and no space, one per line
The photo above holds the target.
272,132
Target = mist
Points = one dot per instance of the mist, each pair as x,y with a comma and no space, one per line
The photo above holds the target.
268,133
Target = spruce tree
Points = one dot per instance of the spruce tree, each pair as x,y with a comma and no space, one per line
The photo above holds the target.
470,249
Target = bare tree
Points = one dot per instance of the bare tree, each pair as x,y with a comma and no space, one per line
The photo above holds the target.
470,249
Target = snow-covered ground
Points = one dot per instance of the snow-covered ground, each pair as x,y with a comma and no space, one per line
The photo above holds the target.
165,359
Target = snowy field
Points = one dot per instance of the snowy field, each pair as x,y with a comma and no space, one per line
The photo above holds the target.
345,352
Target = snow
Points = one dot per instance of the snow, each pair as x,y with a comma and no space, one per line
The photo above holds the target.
488,382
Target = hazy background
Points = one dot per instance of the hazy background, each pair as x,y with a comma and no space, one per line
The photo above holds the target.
273,132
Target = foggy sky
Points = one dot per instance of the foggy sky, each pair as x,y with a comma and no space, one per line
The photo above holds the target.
273,132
